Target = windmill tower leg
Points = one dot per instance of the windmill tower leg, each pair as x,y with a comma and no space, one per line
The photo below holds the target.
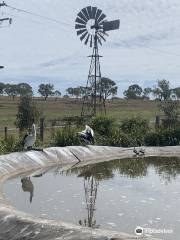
93,102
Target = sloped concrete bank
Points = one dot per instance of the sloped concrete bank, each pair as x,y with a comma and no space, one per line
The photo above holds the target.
16,225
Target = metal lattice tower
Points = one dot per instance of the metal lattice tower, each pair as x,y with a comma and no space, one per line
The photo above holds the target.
91,26
92,102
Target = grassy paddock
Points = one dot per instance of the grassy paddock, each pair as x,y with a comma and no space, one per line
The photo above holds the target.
118,109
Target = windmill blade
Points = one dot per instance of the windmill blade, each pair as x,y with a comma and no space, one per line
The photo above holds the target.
99,12
81,15
89,10
78,20
104,33
101,18
91,41
84,11
94,10
84,35
101,36
111,25
87,39
78,26
81,31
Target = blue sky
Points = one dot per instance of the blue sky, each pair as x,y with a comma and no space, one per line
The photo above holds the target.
145,49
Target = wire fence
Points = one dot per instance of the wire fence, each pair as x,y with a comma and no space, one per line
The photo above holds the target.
42,130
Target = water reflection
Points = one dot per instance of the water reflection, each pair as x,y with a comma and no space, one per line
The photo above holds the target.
90,190
167,169
27,186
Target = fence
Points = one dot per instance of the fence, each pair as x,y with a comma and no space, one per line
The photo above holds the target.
42,130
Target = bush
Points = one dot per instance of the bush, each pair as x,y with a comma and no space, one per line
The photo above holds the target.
163,138
136,128
120,139
66,136
12,144
103,125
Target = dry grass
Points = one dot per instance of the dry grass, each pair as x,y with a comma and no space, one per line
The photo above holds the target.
119,109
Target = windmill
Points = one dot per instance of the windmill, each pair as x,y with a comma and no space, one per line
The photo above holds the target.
92,27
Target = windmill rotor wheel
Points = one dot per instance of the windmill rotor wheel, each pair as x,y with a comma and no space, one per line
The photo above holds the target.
89,22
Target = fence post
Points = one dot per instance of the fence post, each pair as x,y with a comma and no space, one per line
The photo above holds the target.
42,129
157,122
5,133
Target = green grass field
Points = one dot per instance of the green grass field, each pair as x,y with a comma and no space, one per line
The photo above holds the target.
118,109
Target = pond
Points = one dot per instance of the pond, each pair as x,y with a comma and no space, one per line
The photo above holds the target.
118,195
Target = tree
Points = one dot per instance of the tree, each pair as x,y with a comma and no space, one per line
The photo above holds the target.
24,89
70,91
108,88
65,96
11,90
2,87
170,108
77,92
57,94
82,91
176,91
133,92
163,91
146,92
27,111
114,91
46,90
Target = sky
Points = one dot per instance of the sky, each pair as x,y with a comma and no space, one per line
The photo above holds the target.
145,49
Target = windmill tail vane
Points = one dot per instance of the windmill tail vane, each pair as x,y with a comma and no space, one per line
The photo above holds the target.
92,26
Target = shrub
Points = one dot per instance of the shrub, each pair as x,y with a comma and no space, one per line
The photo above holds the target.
136,128
163,138
120,139
152,139
12,144
66,136
103,125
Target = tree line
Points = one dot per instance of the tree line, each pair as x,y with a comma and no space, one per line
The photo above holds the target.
24,89
161,92
107,88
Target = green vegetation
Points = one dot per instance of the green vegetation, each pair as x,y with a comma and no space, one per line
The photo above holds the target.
129,122
66,136
11,144
27,113
163,138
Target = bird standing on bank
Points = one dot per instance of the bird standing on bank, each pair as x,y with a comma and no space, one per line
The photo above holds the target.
29,140
87,135
136,151
140,152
